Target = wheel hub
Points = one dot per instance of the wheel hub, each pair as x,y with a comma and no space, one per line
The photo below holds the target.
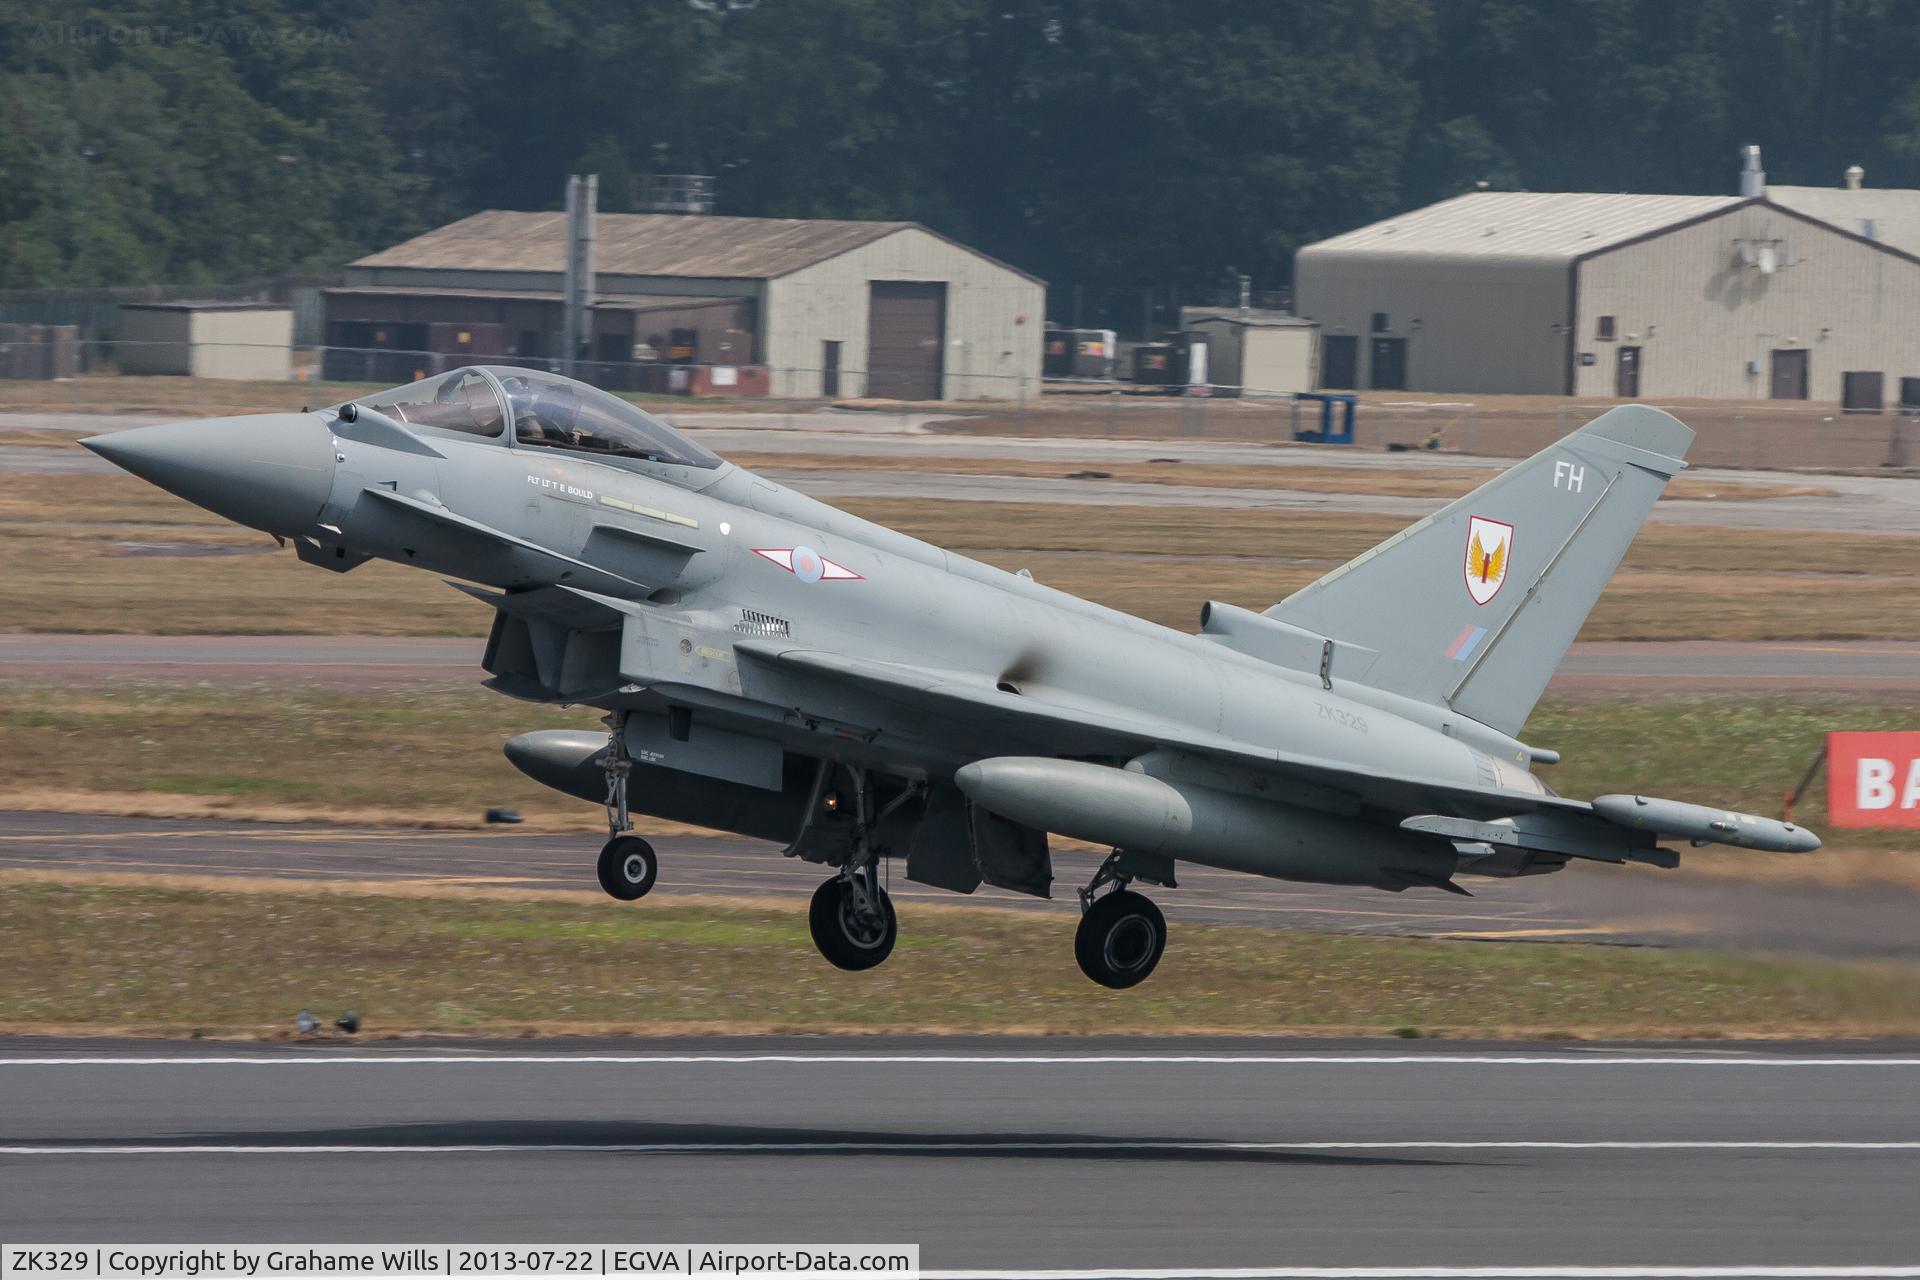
1129,943
863,928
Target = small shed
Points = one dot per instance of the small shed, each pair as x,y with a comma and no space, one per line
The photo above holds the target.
240,341
1260,355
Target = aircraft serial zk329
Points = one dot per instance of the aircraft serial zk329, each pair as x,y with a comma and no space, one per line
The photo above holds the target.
777,668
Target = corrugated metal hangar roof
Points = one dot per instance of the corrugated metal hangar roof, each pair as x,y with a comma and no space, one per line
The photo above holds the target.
635,244
1535,226
603,302
1890,215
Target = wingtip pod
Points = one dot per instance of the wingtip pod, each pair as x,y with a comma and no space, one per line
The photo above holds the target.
1640,426
1704,825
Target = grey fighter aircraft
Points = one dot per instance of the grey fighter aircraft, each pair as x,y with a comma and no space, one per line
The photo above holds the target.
777,668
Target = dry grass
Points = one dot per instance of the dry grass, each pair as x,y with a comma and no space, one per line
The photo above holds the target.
230,960
1335,537
188,397
1638,605
42,437
1410,481
112,554
548,812
259,751
431,757
1732,433
97,587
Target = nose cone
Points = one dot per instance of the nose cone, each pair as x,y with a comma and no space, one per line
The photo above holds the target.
272,471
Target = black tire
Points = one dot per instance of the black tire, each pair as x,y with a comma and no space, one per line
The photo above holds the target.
1120,939
842,937
628,868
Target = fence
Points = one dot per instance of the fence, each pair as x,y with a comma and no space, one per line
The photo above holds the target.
1798,436
97,311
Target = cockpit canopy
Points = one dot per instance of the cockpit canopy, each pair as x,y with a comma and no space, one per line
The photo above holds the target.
547,412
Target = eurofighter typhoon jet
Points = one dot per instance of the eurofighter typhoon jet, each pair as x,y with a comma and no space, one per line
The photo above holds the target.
779,669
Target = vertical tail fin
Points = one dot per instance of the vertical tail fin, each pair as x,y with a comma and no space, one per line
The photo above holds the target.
1475,606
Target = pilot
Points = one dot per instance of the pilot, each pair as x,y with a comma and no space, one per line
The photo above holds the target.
530,426
559,412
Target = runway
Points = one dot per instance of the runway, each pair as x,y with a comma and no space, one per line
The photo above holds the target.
1000,1156
1597,668
1624,906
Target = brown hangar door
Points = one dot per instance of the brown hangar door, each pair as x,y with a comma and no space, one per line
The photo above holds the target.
1340,362
1789,381
1387,370
1626,373
906,339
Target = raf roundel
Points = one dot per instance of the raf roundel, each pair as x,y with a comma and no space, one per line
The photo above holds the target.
807,564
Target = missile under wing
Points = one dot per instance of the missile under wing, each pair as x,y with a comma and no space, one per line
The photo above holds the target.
775,667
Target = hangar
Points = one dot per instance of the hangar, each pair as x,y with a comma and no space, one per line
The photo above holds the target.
1637,296
778,306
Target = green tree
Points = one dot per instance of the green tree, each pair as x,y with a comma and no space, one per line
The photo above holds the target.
185,142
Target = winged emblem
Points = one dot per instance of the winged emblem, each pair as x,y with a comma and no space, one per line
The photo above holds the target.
1489,564
1489,547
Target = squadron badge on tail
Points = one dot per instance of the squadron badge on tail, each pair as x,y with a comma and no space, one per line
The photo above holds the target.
1489,547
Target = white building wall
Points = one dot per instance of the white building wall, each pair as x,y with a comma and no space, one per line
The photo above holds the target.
1701,318
250,344
1274,359
1280,361
1472,324
994,320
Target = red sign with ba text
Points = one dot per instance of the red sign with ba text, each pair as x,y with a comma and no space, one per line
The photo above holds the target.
1873,780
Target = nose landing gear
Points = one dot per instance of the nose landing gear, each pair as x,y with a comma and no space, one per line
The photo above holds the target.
1122,935
628,867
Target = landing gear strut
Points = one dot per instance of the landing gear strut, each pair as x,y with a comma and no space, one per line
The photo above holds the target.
1122,935
627,866
851,917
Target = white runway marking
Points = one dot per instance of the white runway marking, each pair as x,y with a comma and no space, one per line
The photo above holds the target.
324,1059
1036,1147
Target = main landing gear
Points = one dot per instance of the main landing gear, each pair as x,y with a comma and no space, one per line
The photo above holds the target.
851,917
1122,935
853,921
628,866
